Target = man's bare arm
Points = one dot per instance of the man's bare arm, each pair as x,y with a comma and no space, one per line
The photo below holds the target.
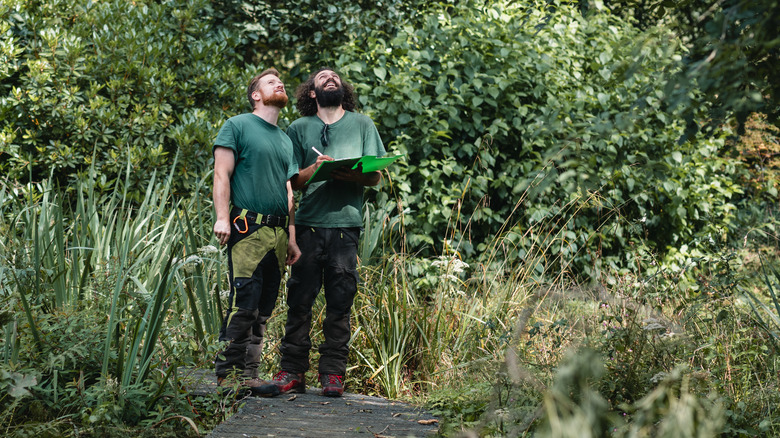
299,180
293,252
224,164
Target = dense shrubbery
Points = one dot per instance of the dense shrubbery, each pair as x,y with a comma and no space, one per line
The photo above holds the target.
537,145
115,85
530,111
508,114
133,84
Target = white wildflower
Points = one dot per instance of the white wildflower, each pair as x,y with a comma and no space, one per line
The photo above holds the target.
653,324
208,249
459,265
193,259
658,377
442,261
112,384
453,264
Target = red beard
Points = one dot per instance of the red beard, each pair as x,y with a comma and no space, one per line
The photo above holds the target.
277,100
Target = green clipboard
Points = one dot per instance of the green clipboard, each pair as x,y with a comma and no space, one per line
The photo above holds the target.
368,164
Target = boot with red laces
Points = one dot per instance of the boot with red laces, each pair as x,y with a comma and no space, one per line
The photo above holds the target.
332,385
284,382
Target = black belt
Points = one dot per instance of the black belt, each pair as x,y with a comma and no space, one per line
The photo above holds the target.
250,218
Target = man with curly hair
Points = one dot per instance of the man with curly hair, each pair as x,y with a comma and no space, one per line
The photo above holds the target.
329,221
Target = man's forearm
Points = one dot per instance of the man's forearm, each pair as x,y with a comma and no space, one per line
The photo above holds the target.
222,197
299,181
291,210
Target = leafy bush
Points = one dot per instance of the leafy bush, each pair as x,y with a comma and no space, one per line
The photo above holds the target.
525,115
538,149
509,114
115,85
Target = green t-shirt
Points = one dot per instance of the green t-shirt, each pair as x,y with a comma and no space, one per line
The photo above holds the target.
331,203
264,163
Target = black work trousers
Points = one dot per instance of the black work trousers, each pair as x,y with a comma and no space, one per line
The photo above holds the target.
329,259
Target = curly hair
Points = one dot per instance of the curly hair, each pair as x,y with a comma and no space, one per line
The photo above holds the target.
307,105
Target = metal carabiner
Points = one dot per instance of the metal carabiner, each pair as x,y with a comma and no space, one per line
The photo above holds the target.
246,224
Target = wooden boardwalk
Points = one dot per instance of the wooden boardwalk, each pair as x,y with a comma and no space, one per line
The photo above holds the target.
315,416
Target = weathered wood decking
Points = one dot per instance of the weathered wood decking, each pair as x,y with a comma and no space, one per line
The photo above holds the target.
315,416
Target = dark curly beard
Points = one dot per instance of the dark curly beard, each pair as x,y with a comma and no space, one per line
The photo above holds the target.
329,98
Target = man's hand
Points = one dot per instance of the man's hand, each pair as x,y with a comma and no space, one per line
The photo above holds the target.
299,180
357,176
320,159
222,231
293,253
347,174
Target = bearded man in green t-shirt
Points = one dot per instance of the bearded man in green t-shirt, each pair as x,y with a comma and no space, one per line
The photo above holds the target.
329,221
253,163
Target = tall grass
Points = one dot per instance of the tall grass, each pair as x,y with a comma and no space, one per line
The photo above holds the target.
132,289
137,266
420,322
485,344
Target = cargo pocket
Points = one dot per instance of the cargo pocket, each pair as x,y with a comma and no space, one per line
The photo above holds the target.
246,293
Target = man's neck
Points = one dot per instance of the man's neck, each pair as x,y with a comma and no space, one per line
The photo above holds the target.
268,113
330,115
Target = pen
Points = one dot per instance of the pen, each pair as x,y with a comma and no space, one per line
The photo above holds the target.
315,150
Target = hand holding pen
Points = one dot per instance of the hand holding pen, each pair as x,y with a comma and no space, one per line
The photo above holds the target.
320,157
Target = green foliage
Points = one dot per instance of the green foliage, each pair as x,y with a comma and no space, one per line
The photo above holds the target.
525,115
759,149
307,34
732,56
460,407
539,146
673,409
112,85
662,357
639,351
483,338
94,290
768,315
723,343
509,114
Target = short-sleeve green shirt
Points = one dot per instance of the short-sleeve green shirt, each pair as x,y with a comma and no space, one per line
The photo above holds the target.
331,203
264,163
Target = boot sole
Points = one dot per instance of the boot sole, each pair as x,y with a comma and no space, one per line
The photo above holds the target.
234,393
269,390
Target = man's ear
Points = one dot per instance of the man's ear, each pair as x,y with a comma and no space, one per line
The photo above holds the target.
312,94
